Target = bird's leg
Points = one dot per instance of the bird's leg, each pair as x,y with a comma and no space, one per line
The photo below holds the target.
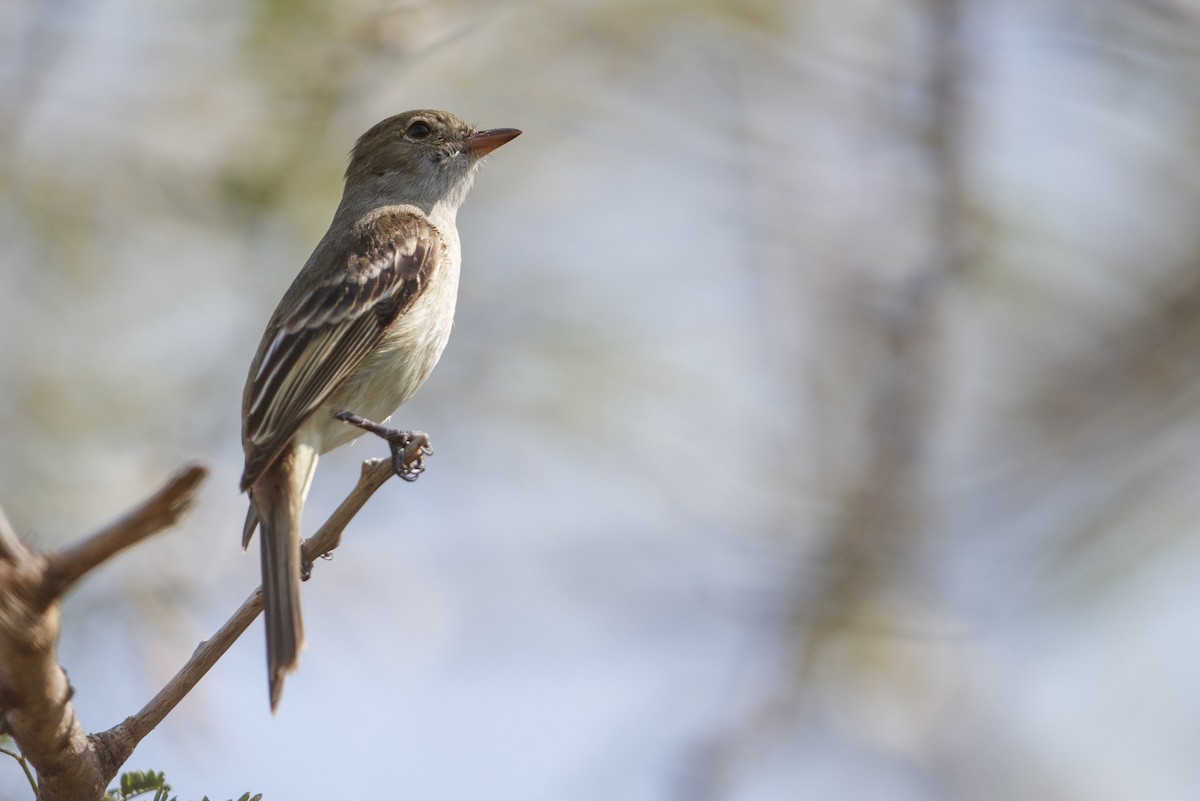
409,448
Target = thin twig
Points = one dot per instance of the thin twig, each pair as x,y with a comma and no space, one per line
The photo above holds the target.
118,743
158,512
24,763
375,473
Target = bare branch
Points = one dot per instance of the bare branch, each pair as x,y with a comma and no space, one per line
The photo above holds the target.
118,743
35,695
375,473
160,511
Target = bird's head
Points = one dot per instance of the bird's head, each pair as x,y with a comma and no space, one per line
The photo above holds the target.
429,154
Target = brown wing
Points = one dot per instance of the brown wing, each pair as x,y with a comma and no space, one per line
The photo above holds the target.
308,351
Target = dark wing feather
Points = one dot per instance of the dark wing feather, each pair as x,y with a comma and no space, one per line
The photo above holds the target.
311,349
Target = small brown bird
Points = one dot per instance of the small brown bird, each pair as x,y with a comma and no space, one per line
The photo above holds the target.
355,335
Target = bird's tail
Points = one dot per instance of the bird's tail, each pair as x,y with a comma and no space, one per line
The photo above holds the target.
277,499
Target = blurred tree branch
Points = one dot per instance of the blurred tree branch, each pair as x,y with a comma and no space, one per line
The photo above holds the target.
35,695
883,510
882,507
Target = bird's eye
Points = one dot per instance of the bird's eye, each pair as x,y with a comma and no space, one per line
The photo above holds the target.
418,130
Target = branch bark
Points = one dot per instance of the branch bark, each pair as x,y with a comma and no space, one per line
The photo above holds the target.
35,695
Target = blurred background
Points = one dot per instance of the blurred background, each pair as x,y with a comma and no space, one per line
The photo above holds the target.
822,417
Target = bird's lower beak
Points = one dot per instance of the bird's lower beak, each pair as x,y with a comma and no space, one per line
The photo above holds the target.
481,143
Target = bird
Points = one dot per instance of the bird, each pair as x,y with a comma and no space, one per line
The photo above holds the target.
354,336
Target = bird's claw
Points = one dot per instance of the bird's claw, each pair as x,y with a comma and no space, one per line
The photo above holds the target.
409,448
409,467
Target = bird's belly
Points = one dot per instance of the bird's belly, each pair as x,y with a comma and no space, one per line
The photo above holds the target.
391,374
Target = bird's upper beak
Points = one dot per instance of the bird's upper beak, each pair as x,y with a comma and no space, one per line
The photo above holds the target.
481,143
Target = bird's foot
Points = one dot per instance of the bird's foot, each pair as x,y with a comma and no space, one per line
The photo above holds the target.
409,448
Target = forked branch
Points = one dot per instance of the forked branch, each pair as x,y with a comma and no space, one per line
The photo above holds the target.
35,695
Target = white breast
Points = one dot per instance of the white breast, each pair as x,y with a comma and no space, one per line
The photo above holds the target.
397,368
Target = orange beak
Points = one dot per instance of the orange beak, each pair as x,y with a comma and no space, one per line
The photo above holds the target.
481,143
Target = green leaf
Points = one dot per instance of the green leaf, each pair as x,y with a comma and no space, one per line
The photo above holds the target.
137,782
